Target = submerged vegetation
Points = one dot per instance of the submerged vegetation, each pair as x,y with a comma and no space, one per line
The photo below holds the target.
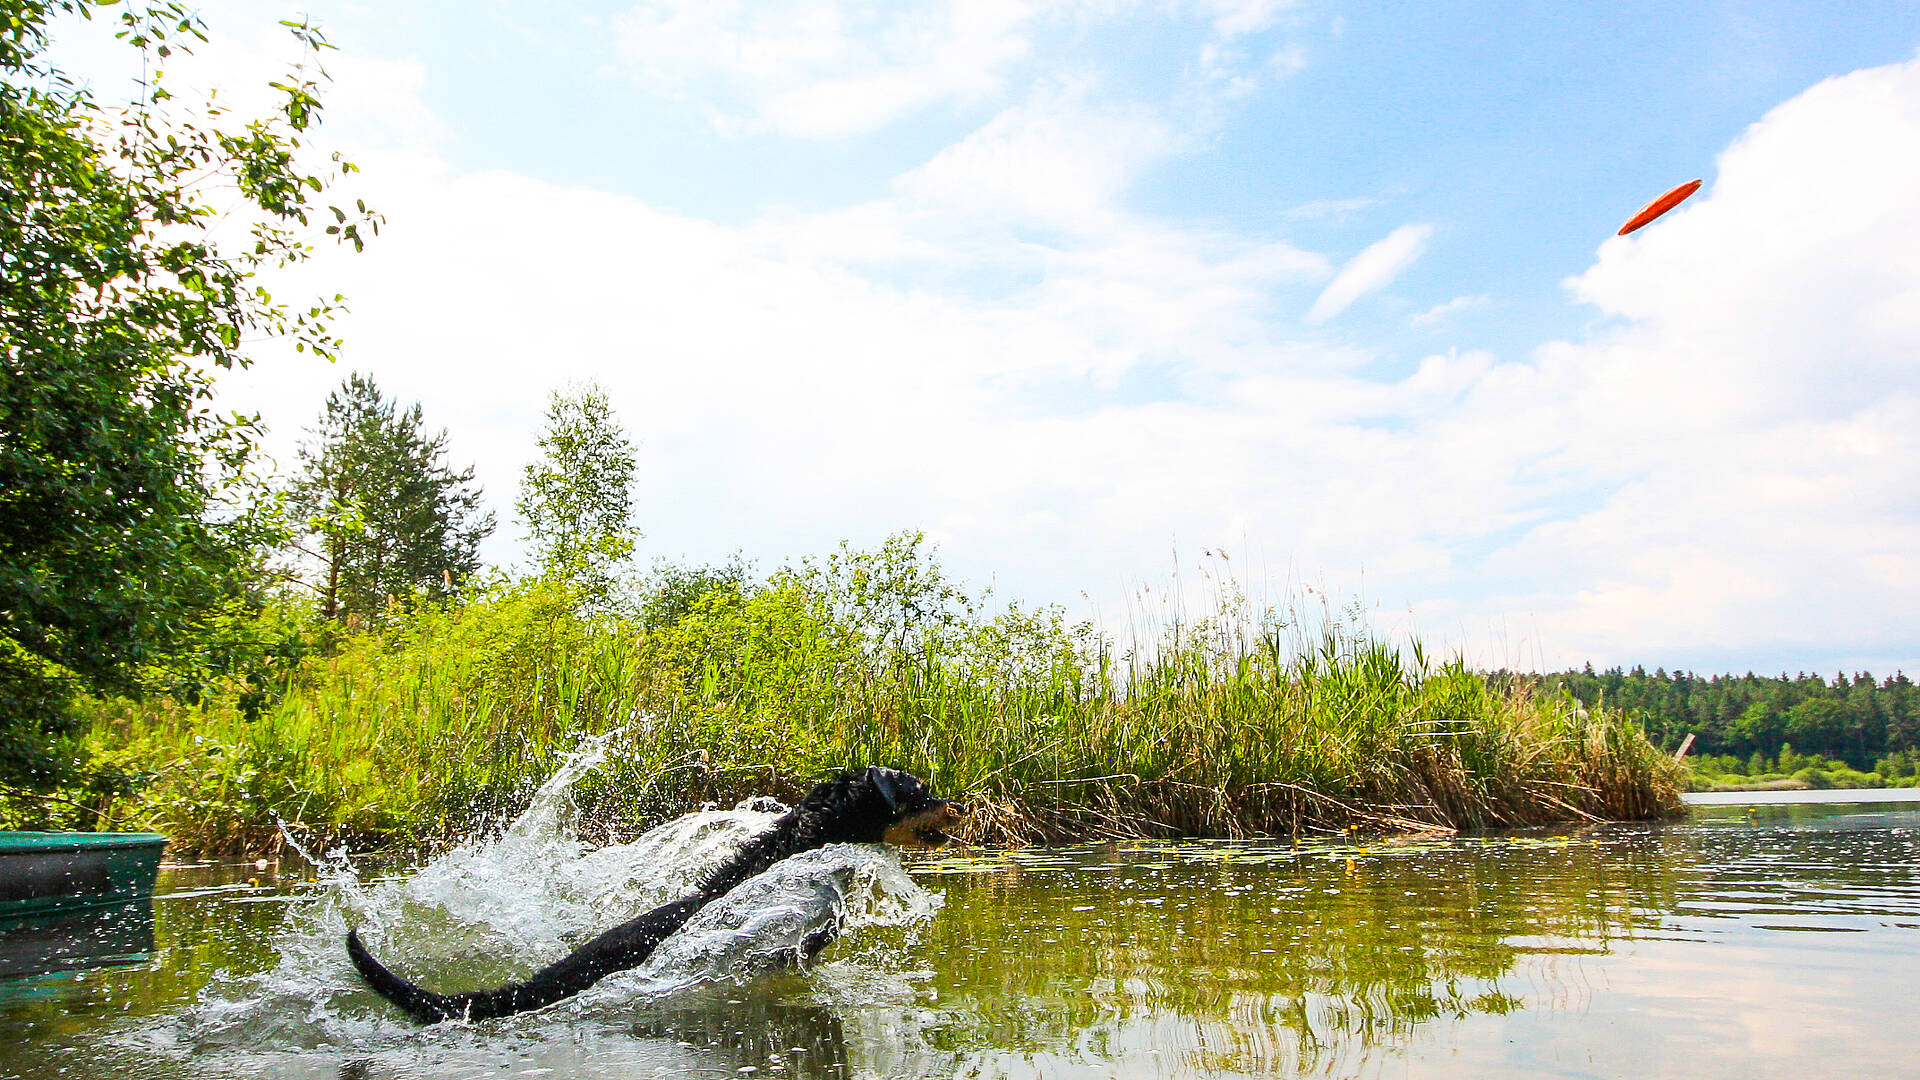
435,722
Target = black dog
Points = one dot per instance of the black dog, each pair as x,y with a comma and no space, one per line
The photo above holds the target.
860,806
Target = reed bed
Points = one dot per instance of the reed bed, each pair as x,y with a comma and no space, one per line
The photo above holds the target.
440,724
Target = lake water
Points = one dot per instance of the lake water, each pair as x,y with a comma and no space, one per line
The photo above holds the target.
1745,942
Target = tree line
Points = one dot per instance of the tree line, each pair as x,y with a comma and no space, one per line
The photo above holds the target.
1854,718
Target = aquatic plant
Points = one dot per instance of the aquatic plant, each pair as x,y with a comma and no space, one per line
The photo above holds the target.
1239,723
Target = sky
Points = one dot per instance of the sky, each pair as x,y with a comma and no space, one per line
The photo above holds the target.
1118,300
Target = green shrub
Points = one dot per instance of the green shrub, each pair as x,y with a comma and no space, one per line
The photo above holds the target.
1814,778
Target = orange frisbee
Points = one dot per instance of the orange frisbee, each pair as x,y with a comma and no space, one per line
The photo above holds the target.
1660,206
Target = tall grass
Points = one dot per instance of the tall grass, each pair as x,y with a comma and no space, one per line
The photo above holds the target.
1232,725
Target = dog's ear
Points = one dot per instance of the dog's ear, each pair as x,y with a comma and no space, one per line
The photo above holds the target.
886,782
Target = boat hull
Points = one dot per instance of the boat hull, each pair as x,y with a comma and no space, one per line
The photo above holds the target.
41,871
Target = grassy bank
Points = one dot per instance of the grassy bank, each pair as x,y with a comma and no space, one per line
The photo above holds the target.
1792,771
442,720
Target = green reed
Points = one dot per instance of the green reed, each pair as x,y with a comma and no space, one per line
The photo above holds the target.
443,721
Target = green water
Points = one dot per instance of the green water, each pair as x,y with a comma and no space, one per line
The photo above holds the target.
1783,941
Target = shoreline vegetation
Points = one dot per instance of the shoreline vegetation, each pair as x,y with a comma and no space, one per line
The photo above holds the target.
437,721
1758,732
1791,771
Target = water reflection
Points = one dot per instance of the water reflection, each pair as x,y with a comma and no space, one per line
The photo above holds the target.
706,1035
1476,957
1275,960
72,940
1778,942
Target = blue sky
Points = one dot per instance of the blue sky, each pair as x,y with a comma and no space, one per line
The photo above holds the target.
1524,130
1089,289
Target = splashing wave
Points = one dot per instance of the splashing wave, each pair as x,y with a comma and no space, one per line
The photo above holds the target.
496,909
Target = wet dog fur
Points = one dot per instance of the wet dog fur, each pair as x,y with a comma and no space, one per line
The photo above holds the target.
860,806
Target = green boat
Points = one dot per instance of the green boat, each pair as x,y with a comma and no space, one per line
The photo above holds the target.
57,871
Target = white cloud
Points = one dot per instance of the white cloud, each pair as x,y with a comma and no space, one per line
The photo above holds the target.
1750,426
834,68
822,67
1328,209
1287,62
1056,160
1371,270
1440,311
789,380
1235,18
999,350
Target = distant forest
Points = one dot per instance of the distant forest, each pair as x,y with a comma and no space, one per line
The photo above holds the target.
1856,719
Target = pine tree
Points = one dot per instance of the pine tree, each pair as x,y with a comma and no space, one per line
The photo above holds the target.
577,500
390,517
1903,718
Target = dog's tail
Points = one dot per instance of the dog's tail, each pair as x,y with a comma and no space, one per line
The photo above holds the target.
421,1004
619,948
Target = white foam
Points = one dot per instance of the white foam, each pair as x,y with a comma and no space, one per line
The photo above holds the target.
766,921
509,904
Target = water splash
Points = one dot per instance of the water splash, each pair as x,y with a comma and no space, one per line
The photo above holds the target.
496,909
766,922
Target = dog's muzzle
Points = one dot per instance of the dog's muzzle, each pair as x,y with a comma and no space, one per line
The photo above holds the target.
928,828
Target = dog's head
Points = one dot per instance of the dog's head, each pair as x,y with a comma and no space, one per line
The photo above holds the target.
878,805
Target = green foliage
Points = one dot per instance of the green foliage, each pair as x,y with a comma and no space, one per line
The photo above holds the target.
577,500
35,719
674,590
896,600
1900,765
389,517
1854,719
1812,778
444,719
127,512
1792,769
